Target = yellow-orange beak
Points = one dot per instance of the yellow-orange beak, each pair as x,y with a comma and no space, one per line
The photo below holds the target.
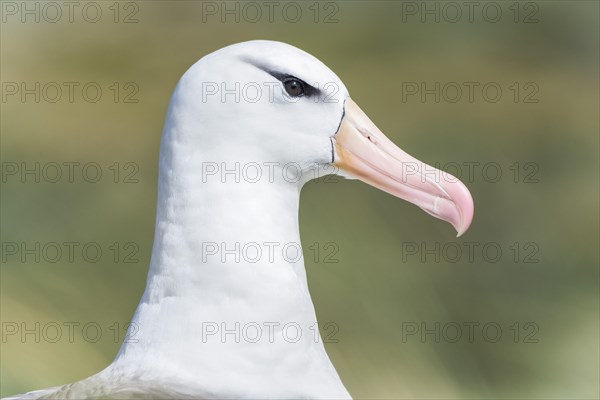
364,152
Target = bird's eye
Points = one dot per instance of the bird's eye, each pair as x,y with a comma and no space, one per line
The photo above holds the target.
294,87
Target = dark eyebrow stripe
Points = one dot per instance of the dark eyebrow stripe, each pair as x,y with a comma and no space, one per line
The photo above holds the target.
310,89
281,77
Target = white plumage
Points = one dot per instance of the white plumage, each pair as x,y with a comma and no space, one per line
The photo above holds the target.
189,294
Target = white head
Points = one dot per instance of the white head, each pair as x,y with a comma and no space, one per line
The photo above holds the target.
264,101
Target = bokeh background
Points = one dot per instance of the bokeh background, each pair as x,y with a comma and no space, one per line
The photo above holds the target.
549,209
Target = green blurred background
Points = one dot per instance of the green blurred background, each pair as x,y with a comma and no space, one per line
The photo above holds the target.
376,288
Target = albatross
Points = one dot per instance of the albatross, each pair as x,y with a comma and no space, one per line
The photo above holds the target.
214,323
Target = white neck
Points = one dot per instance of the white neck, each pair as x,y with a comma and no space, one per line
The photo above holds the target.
208,296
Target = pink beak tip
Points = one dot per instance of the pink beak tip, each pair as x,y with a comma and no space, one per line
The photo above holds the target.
466,211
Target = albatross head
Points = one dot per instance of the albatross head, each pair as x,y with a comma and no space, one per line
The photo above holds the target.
269,102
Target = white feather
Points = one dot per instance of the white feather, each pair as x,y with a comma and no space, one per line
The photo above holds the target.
184,293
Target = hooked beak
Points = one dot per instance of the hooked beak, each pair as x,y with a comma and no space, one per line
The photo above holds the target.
364,152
